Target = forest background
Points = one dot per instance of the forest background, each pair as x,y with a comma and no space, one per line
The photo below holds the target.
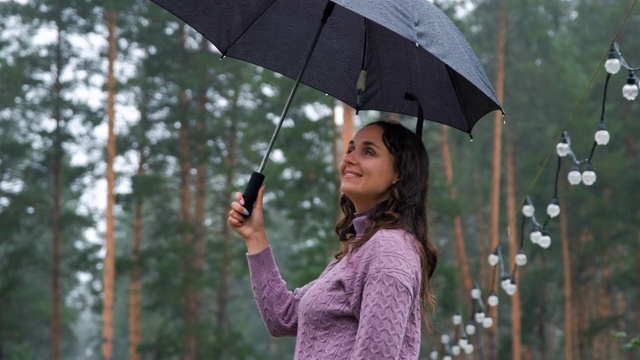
121,98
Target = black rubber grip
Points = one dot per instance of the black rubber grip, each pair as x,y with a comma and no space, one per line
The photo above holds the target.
251,191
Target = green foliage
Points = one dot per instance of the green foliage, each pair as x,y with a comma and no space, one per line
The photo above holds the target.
554,81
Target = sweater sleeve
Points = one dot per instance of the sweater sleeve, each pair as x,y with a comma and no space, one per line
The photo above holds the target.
387,304
278,306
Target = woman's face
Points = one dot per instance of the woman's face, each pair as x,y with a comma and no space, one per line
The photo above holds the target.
367,170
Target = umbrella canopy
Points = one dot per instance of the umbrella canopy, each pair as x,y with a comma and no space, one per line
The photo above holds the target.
401,56
404,46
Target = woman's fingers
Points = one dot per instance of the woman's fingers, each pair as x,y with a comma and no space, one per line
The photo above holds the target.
239,197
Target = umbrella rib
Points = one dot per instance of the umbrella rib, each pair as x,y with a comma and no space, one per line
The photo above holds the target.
247,28
455,88
327,12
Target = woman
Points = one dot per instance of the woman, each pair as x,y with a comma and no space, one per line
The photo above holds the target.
367,303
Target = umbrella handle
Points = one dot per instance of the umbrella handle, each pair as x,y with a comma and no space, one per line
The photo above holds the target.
251,191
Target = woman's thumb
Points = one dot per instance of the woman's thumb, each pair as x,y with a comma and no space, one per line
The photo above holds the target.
259,198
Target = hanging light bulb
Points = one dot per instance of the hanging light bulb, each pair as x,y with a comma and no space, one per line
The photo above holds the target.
493,259
468,349
545,240
553,209
433,355
447,357
563,148
493,300
475,293
527,208
630,89
487,322
511,288
505,282
463,342
521,258
612,65
455,350
470,329
589,175
444,338
479,317
535,236
602,135
574,175
457,319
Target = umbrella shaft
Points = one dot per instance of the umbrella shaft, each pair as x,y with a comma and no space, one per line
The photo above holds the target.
327,12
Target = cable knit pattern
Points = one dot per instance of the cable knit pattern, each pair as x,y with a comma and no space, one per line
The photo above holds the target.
364,307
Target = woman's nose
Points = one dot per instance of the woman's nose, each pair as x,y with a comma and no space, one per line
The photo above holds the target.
349,158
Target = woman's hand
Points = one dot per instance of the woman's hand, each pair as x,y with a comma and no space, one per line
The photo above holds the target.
251,228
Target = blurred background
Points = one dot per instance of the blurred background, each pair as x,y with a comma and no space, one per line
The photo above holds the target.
121,98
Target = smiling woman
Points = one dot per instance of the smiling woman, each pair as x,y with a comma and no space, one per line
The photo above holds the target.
369,301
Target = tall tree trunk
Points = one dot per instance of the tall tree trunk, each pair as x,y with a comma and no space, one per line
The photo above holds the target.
56,327
201,189
497,151
190,310
134,291
584,297
458,236
109,260
514,246
187,235
568,287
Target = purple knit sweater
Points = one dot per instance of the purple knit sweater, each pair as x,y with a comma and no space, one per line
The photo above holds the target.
366,306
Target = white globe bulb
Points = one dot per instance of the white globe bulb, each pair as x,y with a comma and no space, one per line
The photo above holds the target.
455,350
602,137
562,149
511,289
589,177
434,355
493,259
505,282
574,177
521,259
447,357
468,349
463,342
475,294
479,316
545,241
535,236
630,91
553,210
487,322
612,66
493,300
457,319
527,210
444,339
470,329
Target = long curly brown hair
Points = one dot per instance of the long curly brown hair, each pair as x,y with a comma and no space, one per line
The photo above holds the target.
405,209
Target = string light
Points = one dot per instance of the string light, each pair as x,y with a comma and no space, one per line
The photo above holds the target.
630,89
602,135
612,65
539,233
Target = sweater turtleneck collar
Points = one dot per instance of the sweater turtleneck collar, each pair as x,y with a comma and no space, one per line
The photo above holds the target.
361,220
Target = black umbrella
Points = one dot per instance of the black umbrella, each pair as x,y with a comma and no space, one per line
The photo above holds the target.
401,56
